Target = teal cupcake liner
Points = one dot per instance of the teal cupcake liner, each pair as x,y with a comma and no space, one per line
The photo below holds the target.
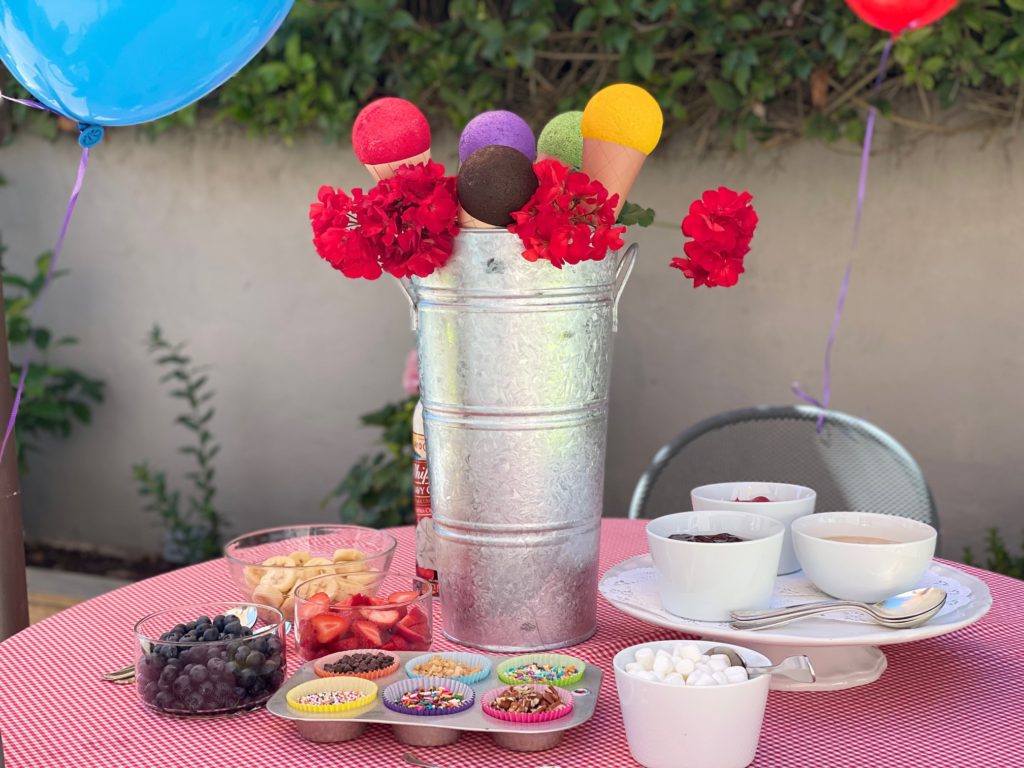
468,659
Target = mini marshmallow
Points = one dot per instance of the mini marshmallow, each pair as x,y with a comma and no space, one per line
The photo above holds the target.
663,664
702,666
718,662
633,667
689,651
720,678
674,679
684,667
645,658
736,675
700,678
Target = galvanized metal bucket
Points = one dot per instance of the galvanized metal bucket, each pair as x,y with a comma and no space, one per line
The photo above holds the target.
515,359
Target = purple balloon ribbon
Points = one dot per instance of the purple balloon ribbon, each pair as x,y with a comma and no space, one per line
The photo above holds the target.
83,163
844,286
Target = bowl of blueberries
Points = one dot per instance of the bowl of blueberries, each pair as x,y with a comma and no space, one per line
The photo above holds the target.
209,658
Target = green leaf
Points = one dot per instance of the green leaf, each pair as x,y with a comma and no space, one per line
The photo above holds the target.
724,95
632,213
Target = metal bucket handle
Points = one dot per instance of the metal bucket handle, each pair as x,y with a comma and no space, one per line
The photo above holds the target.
622,273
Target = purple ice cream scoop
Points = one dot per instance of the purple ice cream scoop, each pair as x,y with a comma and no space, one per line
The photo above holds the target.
501,128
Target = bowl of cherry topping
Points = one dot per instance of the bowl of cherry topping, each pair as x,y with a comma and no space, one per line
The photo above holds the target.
391,612
209,658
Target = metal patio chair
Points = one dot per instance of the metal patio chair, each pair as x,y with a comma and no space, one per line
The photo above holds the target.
852,464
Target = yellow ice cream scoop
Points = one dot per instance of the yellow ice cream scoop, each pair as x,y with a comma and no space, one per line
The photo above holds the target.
623,114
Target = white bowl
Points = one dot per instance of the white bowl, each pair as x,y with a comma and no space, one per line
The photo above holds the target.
788,502
865,572
706,581
670,726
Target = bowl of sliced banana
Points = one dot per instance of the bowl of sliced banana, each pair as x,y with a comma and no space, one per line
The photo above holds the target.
267,565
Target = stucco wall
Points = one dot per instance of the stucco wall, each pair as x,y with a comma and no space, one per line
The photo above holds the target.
206,234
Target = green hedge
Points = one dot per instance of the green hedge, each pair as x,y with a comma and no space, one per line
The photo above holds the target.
732,70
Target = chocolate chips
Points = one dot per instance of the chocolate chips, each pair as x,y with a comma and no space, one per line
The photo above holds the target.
525,699
707,538
360,663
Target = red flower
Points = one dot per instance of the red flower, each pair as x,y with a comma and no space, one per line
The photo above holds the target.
405,225
569,219
722,225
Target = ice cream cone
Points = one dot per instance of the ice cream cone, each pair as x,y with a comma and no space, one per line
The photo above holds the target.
468,222
614,165
383,171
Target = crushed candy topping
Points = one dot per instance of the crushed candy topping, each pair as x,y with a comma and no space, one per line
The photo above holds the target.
541,673
438,697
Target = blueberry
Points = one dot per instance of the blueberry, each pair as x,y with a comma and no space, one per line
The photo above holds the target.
246,632
255,660
270,666
194,702
232,627
239,694
246,677
190,636
203,620
163,700
218,621
174,661
149,691
169,652
169,673
259,685
206,689
231,667
211,634
198,674
224,693
167,636
259,644
190,626
274,646
241,654
276,679
179,629
182,686
215,665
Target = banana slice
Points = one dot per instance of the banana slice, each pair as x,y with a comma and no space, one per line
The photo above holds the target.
288,608
314,567
281,574
300,556
254,575
342,555
267,595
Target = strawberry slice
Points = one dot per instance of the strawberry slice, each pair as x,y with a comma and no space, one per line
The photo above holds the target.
350,643
399,598
386,617
416,633
376,601
328,627
374,634
318,603
353,601
415,616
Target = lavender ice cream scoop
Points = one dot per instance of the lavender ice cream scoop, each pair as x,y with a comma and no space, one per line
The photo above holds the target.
501,128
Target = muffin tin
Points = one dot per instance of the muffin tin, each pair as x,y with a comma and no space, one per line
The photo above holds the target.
427,731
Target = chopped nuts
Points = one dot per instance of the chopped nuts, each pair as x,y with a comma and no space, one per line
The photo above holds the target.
525,699
439,666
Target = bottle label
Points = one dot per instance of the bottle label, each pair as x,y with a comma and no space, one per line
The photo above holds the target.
421,505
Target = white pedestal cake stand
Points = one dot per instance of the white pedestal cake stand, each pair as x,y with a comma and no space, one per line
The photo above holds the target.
845,653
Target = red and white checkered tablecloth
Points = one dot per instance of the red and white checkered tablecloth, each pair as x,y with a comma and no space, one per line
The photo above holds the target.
951,701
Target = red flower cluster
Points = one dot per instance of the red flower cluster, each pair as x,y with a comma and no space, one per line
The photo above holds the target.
722,225
569,219
404,226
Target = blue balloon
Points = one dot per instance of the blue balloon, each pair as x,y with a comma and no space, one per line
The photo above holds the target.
122,62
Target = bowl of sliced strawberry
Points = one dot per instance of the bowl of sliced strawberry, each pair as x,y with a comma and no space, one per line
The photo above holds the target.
393,612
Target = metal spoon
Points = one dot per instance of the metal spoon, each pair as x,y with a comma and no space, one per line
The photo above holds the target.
794,667
902,611
126,675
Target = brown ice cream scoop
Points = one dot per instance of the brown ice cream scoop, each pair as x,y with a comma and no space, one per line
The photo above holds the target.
495,181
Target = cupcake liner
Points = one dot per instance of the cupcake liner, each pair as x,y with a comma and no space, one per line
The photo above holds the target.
543,659
468,659
393,693
522,717
319,664
367,688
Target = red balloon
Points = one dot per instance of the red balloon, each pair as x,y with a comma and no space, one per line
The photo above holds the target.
897,16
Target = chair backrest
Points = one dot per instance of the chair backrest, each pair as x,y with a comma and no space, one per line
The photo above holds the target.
852,464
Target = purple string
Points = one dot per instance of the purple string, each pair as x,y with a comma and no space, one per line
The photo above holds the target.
83,163
844,286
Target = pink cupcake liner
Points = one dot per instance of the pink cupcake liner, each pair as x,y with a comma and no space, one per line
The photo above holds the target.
520,717
393,694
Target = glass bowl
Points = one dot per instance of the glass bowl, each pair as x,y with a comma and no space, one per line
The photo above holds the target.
236,667
381,611
268,564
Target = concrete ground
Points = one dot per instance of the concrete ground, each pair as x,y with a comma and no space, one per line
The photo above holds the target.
50,592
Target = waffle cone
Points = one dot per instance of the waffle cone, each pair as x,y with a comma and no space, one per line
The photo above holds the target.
614,165
383,171
468,222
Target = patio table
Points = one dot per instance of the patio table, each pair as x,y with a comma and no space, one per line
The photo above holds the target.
949,701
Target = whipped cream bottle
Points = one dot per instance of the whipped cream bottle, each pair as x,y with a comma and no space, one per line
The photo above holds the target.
421,501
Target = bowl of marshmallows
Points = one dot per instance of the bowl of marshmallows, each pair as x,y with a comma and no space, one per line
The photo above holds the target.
682,706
